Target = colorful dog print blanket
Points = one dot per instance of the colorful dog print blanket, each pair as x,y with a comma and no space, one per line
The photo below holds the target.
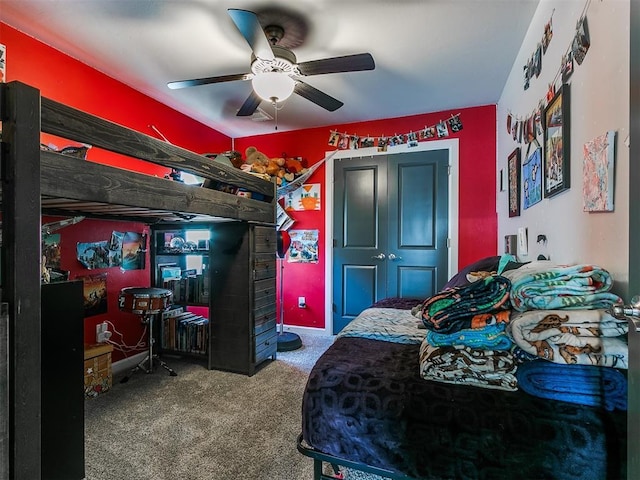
584,337
468,366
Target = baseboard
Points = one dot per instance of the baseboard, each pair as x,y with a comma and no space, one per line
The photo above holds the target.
127,363
304,330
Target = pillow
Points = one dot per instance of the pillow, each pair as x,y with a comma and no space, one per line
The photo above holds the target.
487,264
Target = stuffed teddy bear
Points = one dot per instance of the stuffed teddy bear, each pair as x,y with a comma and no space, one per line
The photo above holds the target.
276,167
256,160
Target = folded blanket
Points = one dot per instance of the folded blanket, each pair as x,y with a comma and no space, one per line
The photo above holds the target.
584,337
582,384
466,366
386,324
545,286
453,309
490,337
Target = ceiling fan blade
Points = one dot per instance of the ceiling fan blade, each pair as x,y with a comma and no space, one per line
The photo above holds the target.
250,28
249,106
348,63
205,81
316,96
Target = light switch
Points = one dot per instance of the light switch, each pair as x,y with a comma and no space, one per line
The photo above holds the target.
523,241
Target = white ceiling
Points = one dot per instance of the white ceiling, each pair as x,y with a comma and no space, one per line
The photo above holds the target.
430,55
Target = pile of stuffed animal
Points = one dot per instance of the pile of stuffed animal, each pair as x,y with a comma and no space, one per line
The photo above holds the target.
283,169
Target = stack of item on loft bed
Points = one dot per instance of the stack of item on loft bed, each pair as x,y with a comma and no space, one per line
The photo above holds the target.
511,371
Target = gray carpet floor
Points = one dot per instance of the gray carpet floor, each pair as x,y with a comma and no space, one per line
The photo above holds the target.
203,424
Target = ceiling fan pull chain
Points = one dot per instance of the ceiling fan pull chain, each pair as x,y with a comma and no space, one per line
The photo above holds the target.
275,107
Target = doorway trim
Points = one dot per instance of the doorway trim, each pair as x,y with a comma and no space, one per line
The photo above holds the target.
451,144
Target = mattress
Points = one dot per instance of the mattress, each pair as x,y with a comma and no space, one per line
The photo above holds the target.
366,402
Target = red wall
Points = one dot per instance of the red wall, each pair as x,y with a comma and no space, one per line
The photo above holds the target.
64,79
477,187
68,81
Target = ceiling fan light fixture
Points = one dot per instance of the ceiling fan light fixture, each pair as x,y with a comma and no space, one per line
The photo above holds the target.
273,86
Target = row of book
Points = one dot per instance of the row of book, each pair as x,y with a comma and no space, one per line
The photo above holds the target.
189,287
184,331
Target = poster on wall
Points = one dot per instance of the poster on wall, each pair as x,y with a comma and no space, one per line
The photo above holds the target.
93,255
115,249
133,251
95,294
307,197
598,173
51,250
304,246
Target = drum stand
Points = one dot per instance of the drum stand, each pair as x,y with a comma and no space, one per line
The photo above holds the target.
149,359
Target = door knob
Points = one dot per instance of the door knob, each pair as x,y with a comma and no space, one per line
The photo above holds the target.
379,256
629,312
394,257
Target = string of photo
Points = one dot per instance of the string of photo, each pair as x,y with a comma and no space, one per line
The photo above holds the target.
349,141
524,129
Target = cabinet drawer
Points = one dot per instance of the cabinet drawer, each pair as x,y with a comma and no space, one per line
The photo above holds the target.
264,292
269,323
264,315
264,266
266,345
265,239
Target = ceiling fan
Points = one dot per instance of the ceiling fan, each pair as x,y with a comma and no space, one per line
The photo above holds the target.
274,69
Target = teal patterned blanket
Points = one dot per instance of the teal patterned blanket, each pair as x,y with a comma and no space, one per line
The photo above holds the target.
542,285
454,309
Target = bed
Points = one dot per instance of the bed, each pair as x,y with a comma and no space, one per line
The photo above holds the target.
369,407
38,182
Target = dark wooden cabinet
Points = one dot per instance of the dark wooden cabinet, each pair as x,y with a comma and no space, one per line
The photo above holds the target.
238,262
243,288
62,381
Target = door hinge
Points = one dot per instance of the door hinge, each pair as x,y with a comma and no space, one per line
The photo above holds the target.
448,243
448,169
335,243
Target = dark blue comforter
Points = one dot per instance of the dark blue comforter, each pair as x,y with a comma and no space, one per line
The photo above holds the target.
366,402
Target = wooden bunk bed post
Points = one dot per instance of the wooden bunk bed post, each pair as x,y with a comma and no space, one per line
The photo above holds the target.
21,252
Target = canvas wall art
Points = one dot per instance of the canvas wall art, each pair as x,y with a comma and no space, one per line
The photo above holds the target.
598,173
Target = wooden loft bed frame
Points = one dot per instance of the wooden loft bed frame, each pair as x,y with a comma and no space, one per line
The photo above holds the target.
36,182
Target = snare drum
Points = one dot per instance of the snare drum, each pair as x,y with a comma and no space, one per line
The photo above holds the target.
143,301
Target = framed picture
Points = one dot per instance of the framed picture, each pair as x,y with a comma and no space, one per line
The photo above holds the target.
513,170
532,179
557,143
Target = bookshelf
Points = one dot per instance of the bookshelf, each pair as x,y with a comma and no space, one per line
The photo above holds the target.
222,276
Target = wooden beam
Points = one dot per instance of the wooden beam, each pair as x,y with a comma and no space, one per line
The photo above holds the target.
67,122
73,178
21,258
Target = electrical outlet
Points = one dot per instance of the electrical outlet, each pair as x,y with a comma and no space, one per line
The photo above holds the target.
302,302
102,332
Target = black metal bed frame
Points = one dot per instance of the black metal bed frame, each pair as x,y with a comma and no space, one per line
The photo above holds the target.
320,458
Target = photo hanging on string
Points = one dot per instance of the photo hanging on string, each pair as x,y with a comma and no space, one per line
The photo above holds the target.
581,41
